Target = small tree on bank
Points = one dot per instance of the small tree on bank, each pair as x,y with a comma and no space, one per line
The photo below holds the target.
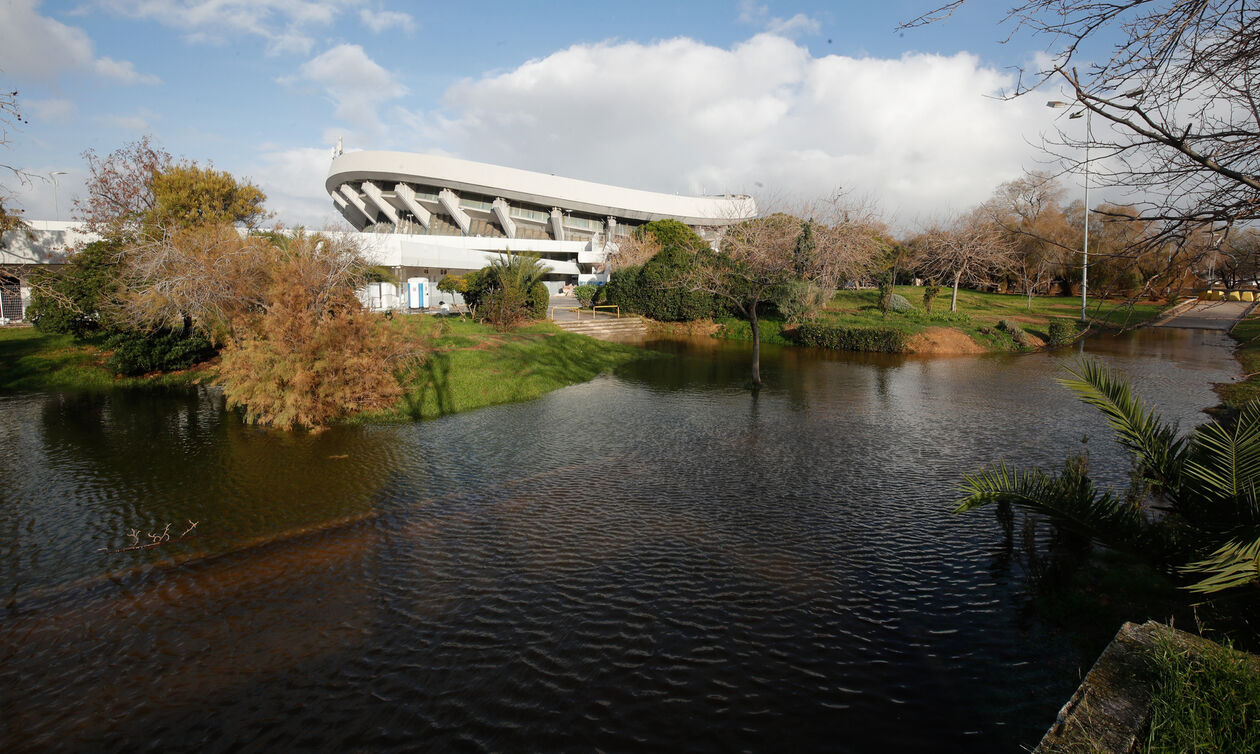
309,353
759,257
971,250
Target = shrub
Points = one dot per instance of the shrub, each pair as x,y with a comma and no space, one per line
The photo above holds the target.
930,292
799,300
1012,328
78,298
137,352
673,234
885,292
507,292
899,303
655,290
623,289
1062,331
881,339
537,301
585,295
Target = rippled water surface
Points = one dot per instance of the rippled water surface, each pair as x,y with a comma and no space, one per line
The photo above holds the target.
656,560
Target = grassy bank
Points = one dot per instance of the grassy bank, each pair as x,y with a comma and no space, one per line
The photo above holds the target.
32,360
1235,394
1206,699
469,365
977,317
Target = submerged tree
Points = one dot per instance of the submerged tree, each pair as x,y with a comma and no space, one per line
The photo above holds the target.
304,350
758,257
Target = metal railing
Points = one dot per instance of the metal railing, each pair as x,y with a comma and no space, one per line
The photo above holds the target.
594,310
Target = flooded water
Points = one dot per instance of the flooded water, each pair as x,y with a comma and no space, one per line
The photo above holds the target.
657,560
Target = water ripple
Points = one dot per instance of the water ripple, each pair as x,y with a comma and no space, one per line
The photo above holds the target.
654,561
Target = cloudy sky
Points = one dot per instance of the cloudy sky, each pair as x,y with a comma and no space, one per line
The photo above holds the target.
785,99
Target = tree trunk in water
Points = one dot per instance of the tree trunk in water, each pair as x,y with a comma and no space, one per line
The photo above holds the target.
953,302
756,335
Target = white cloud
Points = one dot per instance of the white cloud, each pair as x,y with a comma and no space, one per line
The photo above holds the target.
385,20
138,123
285,25
124,71
759,15
293,180
48,197
921,133
355,83
51,110
38,47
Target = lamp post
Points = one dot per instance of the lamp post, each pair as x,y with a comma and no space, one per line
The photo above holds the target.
1089,137
56,203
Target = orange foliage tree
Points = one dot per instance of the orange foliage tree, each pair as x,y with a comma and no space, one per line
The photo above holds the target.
310,353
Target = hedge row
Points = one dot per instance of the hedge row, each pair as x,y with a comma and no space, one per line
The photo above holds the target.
837,338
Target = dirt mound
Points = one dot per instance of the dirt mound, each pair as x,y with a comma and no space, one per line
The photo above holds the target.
943,341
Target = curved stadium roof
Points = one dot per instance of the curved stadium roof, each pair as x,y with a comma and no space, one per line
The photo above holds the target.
375,182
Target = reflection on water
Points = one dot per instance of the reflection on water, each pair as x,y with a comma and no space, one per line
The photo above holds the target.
658,560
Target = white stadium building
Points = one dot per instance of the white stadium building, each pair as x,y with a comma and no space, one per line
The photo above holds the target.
432,216
426,216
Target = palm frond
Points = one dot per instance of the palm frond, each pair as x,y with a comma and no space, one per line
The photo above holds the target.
1225,463
1070,501
1137,428
1235,563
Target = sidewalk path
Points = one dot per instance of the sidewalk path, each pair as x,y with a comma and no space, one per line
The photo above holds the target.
1209,315
560,315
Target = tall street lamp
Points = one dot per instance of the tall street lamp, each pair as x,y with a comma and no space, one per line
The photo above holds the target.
56,204
1089,137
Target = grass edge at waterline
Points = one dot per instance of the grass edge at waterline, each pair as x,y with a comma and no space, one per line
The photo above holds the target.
468,366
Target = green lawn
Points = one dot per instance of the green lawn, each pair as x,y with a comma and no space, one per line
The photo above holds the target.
978,315
32,360
471,365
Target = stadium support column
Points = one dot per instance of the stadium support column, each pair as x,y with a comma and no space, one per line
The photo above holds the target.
348,192
374,193
502,213
557,224
343,206
408,197
450,202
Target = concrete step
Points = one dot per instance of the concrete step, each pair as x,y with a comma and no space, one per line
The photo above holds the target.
601,327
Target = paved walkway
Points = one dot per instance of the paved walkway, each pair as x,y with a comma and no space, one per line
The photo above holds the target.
561,315
1209,315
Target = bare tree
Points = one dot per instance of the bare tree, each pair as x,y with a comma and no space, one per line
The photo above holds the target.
972,249
757,257
10,117
632,250
1176,100
1029,213
120,190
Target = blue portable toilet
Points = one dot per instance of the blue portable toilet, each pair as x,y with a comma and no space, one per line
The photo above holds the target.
417,293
